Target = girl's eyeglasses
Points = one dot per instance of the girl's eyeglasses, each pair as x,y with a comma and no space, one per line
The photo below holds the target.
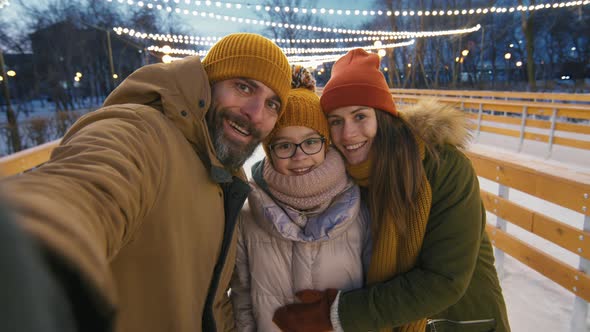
286,150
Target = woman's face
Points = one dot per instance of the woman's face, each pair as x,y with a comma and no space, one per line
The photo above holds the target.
353,129
300,162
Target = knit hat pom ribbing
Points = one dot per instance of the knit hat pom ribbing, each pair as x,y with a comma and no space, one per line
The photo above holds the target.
302,78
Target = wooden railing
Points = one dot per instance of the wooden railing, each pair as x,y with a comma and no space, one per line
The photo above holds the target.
582,98
25,160
514,114
565,188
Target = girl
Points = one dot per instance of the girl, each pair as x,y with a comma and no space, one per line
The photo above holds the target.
303,226
432,258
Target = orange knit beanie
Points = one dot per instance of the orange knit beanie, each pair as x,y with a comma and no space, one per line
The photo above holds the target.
357,81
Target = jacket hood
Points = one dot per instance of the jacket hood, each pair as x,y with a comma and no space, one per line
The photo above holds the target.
437,123
181,91
283,221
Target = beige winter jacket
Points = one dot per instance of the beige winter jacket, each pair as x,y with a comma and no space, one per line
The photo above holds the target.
132,204
276,257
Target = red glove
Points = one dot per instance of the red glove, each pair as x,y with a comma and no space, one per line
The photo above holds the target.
311,315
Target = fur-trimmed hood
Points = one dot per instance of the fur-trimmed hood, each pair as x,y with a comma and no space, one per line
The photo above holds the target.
437,123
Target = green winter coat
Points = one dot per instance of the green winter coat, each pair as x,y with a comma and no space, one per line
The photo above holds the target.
454,278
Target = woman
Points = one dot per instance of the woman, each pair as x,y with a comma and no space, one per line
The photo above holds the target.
304,226
431,256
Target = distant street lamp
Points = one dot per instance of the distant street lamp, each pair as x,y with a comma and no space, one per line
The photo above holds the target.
465,53
518,72
507,56
10,114
11,73
115,76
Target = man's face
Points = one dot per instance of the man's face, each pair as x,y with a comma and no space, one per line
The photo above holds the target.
243,112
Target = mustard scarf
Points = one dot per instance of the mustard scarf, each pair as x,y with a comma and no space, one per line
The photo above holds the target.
393,255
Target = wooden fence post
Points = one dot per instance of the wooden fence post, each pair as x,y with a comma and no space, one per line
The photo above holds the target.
522,127
552,133
503,192
580,312
479,116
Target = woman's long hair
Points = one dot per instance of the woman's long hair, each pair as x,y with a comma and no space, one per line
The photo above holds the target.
397,172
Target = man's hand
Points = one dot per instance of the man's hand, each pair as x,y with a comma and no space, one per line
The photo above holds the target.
311,315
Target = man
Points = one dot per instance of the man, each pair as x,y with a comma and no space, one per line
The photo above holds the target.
136,208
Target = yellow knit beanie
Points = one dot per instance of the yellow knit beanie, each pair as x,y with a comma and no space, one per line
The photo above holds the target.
251,56
303,108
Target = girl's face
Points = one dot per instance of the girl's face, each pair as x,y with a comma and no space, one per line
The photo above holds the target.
297,150
353,129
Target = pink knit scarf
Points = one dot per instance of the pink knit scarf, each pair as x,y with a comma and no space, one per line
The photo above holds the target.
312,190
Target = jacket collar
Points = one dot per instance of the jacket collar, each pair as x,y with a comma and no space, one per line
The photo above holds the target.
285,222
181,91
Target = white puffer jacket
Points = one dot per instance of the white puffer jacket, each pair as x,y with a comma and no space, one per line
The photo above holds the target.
276,257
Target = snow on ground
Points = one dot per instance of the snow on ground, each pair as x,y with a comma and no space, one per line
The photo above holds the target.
534,302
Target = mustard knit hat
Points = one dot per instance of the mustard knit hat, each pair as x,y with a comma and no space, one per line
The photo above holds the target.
251,56
303,108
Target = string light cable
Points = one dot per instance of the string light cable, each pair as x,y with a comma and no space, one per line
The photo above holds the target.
167,50
315,61
187,12
378,12
210,40
176,51
376,46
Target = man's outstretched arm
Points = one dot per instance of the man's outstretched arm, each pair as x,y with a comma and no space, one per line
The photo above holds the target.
88,200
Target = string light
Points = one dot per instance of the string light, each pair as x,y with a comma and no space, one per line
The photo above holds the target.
304,60
178,39
208,41
168,50
265,23
371,12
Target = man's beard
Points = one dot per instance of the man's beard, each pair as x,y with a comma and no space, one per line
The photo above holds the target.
231,154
